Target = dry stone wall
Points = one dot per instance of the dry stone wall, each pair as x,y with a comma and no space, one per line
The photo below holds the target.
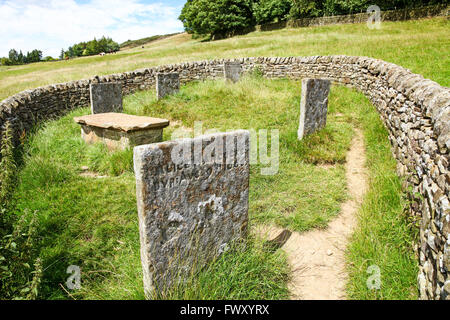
416,112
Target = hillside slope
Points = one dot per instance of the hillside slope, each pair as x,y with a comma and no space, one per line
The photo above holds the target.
421,46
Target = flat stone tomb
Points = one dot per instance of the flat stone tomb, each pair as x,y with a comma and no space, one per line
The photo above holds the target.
192,197
232,71
313,106
106,97
166,84
119,130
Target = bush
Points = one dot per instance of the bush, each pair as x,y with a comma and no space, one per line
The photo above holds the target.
6,62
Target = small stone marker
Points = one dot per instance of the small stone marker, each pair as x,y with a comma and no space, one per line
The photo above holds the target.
120,130
192,199
106,97
167,83
313,106
232,70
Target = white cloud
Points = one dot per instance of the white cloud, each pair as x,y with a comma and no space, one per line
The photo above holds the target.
50,25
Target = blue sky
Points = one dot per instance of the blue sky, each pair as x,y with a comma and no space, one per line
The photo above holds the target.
50,25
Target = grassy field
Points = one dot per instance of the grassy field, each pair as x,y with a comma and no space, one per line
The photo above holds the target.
90,220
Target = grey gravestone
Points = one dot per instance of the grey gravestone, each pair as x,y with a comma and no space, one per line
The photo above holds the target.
232,71
106,97
167,83
190,209
313,106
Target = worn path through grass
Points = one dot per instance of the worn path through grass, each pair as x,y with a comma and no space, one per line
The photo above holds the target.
317,257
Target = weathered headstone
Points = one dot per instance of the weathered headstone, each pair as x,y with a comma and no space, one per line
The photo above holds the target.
232,70
106,97
167,83
192,197
313,106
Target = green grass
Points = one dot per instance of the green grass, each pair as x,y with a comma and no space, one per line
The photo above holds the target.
384,236
246,271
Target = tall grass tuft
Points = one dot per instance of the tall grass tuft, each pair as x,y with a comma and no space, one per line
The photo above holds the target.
18,249
7,167
245,271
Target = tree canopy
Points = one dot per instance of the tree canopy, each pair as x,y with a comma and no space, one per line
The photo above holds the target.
106,45
216,17
266,11
17,57
205,17
93,47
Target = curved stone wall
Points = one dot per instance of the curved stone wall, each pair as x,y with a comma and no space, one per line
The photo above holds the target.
416,112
